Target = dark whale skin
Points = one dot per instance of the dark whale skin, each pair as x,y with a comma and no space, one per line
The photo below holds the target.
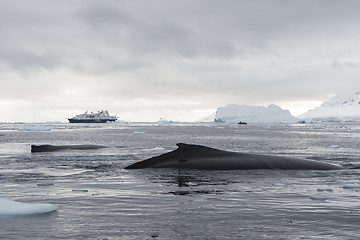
53,148
205,158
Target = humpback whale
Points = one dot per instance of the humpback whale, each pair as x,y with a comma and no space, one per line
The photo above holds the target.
52,148
206,158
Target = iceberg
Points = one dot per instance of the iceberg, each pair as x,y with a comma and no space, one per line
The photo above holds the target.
234,113
14,208
163,121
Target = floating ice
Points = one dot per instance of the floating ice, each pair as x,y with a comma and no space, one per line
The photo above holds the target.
318,197
163,121
9,208
351,185
334,146
35,128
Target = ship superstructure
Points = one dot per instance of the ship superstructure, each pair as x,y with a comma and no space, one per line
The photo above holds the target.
99,117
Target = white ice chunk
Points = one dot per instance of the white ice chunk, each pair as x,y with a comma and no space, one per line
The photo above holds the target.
9,207
351,185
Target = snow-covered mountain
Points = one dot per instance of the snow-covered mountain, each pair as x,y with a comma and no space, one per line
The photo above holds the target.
344,107
235,113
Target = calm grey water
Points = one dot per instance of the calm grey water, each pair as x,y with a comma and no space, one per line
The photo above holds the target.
180,204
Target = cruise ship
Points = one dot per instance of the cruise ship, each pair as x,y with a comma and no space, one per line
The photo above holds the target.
99,117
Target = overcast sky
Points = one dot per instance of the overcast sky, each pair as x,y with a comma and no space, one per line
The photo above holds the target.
179,60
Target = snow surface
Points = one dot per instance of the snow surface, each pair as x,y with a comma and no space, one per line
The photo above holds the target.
9,207
234,113
344,107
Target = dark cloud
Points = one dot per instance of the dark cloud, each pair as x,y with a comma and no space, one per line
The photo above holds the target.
28,60
100,15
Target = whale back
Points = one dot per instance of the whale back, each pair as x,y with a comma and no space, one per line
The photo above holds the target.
181,154
53,148
206,158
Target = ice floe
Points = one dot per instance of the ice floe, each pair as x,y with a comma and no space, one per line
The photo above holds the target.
13,208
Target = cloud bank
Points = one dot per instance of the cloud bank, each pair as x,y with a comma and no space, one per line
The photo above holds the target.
179,60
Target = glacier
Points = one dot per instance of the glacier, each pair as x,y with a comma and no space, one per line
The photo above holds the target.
341,107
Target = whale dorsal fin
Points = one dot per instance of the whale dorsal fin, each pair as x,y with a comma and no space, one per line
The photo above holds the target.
185,146
199,150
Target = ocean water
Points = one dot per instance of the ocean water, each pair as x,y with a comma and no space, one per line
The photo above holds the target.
99,199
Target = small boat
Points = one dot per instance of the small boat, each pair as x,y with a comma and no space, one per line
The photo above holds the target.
242,122
99,117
